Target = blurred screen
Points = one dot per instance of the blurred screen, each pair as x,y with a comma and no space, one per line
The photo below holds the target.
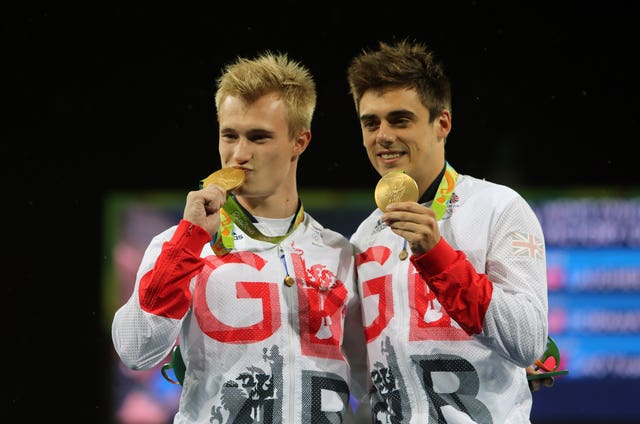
593,259
593,272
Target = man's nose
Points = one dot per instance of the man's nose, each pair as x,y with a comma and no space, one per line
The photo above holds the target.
385,135
243,150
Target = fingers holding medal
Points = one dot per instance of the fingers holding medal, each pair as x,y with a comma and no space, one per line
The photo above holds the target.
395,186
203,206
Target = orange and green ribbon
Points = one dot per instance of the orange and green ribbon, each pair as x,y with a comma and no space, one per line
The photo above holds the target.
444,192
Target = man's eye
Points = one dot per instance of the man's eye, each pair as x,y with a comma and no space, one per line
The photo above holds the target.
401,122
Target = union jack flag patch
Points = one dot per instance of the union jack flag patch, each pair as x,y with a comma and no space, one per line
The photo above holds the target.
526,245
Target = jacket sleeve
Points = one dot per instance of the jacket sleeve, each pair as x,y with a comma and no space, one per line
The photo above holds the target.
464,293
146,327
506,307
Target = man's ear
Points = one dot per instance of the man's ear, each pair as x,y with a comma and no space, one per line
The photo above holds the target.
301,142
444,124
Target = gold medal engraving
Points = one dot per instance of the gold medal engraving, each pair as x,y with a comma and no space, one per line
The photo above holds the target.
227,178
403,254
289,281
396,186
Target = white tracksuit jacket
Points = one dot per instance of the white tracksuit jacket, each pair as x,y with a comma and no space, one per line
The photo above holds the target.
450,332
255,349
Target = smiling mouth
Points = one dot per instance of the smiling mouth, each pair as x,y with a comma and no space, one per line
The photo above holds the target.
388,156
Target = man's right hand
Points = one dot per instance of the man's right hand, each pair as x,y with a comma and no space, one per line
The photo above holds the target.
203,207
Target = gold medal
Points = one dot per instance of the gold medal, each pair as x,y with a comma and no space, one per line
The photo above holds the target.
227,178
289,281
396,186
403,254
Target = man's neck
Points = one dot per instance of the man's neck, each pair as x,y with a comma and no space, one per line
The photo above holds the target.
270,206
430,192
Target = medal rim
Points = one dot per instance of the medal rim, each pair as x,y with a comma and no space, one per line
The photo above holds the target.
406,181
227,178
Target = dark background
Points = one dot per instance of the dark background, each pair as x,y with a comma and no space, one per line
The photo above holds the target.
108,96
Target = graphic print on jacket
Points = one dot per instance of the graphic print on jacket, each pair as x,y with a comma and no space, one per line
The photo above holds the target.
255,395
391,392
252,397
428,321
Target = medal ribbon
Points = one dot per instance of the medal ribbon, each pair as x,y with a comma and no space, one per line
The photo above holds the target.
444,192
232,213
440,199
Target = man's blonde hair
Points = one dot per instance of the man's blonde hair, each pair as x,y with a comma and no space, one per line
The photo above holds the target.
250,79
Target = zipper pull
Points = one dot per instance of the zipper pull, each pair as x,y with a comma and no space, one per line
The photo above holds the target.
288,280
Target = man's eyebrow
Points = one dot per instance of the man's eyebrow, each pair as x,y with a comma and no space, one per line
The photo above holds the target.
259,131
251,131
400,113
391,115
367,117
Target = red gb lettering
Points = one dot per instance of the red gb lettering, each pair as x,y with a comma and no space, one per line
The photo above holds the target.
429,321
379,286
321,308
320,315
266,291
